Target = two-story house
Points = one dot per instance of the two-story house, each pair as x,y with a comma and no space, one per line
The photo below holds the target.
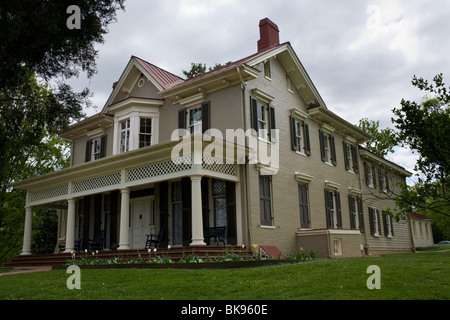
250,146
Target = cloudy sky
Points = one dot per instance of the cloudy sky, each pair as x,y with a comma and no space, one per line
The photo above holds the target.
361,55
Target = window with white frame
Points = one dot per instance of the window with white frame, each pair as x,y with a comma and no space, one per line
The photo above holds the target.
96,148
388,225
375,221
350,157
124,135
337,246
145,132
356,212
195,120
370,176
333,209
327,147
267,71
263,119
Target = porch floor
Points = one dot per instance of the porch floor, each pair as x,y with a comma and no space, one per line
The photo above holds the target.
175,253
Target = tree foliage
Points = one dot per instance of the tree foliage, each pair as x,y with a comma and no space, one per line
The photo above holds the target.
200,68
38,52
425,128
384,140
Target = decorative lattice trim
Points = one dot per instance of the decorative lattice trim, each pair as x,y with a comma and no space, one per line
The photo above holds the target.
224,168
158,169
50,193
97,182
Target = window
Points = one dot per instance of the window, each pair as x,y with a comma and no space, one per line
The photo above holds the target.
337,247
263,120
356,215
388,225
265,201
95,148
350,157
383,181
375,222
195,120
145,132
303,203
369,174
267,71
300,136
261,116
327,148
333,209
124,135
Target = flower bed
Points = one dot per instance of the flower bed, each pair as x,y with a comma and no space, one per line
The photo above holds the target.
227,260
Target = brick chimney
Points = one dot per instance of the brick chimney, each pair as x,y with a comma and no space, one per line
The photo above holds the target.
268,34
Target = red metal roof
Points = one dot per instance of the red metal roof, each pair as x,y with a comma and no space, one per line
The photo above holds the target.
164,78
419,216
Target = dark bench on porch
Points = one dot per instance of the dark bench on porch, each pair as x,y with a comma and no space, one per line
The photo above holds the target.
217,233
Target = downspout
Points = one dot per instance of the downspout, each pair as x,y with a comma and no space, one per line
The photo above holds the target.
246,166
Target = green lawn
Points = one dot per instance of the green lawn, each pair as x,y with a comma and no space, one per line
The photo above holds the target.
422,275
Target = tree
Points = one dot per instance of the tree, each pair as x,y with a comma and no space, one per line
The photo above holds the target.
425,128
196,70
383,141
38,51
52,154
200,68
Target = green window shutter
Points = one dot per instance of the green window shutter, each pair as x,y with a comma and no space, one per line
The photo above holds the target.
87,156
374,177
103,146
307,144
272,125
346,162
361,215
379,222
371,220
333,151
352,210
206,117
322,145
328,210
303,204
366,173
392,225
254,115
182,119
338,209
355,159
293,133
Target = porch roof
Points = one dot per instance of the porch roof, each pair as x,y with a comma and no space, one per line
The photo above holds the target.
126,170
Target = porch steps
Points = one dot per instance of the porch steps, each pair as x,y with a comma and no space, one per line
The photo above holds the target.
175,254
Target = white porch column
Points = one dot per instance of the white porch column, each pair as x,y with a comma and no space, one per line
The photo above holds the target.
70,227
124,238
26,249
197,216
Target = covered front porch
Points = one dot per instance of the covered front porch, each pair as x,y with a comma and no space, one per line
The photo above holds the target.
125,197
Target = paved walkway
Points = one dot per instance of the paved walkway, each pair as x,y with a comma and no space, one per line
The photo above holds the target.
27,270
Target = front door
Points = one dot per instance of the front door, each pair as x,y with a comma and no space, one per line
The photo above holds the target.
141,221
